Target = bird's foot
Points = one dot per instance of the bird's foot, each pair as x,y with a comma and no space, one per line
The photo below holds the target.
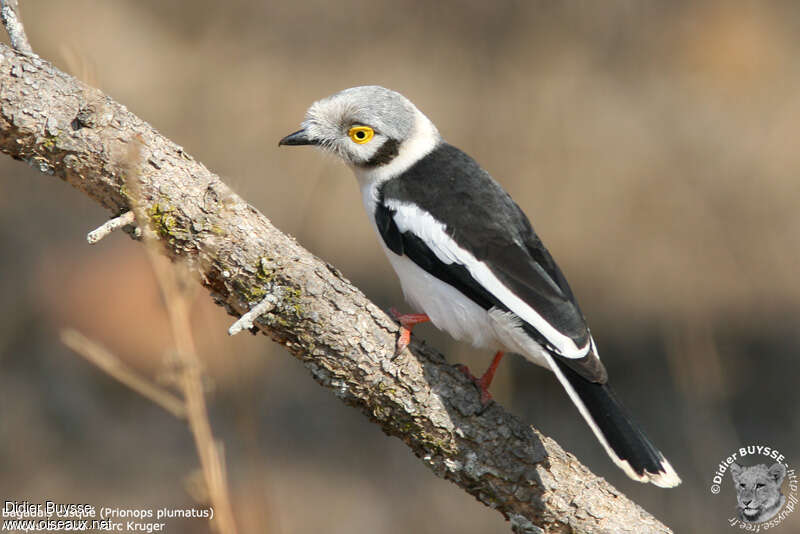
407,322
485,380
486,397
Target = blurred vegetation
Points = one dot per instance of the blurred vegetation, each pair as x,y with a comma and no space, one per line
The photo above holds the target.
653,144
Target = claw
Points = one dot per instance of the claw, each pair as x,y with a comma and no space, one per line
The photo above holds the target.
402,340
407,322
485,380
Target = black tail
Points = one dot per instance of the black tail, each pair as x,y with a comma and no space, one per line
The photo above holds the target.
624,441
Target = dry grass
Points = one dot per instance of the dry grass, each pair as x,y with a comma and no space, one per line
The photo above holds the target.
177,290
116,368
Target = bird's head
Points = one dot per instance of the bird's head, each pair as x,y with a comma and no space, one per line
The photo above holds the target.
369,127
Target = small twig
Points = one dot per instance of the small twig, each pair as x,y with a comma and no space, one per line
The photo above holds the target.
109,226
245,322
9,13
112,365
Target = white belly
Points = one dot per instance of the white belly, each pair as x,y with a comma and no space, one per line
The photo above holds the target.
446,307
451,311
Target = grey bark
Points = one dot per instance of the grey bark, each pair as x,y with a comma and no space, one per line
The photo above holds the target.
66,129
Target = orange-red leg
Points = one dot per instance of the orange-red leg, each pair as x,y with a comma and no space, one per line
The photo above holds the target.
407,323
485,380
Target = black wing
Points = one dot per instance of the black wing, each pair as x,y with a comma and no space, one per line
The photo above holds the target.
483,219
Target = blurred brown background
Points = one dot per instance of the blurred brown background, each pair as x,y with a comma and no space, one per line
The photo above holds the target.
653,144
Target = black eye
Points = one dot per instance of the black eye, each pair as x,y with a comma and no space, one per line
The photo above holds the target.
759,485
741,485
361,134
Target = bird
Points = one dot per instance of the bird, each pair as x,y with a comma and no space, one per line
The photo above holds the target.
469,259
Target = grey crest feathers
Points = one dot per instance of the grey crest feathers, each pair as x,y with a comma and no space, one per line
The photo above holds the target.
390,114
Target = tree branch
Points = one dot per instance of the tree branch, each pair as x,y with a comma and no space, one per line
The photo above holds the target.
67,129
9,14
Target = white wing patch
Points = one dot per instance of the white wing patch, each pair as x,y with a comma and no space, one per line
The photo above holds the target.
410,218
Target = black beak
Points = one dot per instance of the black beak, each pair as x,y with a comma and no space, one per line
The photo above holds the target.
297,138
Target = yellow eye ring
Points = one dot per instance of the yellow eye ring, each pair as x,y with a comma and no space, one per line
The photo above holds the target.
361,134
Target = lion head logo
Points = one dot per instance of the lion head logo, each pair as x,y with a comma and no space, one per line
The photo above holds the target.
758,491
